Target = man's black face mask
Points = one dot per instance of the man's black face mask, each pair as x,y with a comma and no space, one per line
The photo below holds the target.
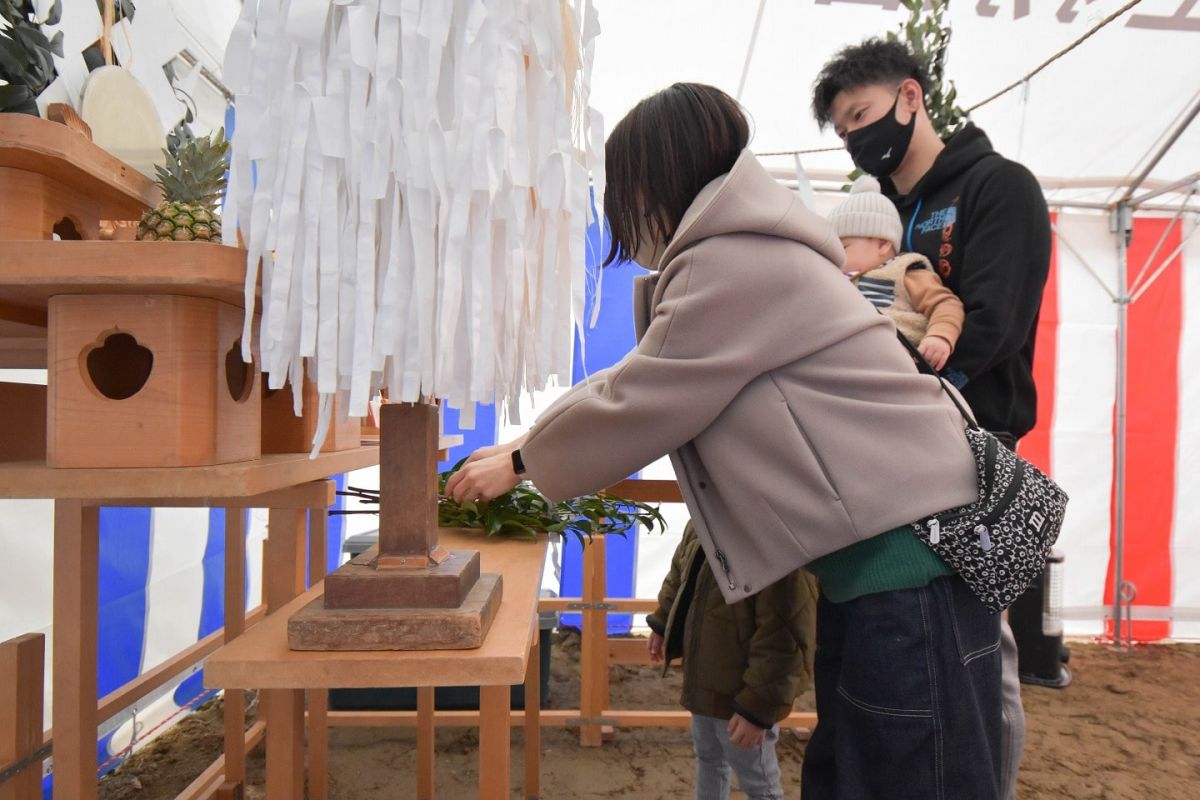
878,148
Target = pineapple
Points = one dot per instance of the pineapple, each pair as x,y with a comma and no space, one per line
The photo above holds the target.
193,183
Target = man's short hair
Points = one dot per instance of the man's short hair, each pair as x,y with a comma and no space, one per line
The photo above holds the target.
874,62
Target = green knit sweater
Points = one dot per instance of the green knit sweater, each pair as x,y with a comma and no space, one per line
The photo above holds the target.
890,561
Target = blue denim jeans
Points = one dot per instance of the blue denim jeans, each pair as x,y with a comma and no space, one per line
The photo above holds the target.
756,767
908,698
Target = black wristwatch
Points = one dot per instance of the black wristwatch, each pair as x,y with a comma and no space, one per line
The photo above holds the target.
518,464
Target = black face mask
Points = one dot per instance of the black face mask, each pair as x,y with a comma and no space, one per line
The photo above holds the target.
878,148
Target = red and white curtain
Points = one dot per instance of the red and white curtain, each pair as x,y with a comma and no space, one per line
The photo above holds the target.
1076,372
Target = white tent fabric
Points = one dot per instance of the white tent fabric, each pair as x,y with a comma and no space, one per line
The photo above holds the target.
1089,125
1091,117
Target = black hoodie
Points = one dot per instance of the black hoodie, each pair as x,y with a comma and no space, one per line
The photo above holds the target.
982,221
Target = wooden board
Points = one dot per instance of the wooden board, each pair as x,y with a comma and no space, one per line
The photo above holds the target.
465,627
23,421
359,584
260,658
32,479
48,148
32,272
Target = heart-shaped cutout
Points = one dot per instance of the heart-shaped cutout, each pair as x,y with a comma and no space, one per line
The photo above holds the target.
239,376
120,367
67,230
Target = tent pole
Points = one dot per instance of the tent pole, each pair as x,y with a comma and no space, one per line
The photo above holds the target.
1123,228
1178,185
750,49
1162,151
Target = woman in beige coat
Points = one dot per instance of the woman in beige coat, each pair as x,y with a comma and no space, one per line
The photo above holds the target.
801,435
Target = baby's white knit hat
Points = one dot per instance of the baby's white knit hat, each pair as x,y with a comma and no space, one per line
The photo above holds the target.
867,213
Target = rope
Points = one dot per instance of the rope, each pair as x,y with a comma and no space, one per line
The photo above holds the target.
1057,55
800,152
126,752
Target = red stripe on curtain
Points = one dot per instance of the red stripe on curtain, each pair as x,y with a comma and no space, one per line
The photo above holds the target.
1035,446
1152,416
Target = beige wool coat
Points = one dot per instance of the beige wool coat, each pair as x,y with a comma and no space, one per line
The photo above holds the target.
796,422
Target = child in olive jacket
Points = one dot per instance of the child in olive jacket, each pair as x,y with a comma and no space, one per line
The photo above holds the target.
744,663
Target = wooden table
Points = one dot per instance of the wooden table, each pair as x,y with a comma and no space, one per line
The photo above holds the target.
288,485
260,659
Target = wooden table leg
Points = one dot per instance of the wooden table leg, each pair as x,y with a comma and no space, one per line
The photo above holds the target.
425,746
533,722
285,566
318,744
593,652
285,743
76,595
235,623
283,709
495,706
318,544
22,666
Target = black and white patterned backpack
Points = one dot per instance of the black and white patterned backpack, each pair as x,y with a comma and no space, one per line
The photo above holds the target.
999,543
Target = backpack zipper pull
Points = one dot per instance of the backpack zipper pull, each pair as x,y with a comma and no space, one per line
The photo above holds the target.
985,539
935,530
725,566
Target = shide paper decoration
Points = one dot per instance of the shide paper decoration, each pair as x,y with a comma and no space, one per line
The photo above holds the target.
413,175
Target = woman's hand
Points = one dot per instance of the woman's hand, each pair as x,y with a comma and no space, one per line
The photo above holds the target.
496,449
483,479
744,733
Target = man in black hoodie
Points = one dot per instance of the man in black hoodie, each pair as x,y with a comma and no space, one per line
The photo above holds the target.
982,222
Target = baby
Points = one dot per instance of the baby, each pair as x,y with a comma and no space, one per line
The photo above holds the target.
901,285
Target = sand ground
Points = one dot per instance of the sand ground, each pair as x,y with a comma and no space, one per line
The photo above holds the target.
1128,728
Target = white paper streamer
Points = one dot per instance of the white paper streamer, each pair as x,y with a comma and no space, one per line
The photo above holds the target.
413,176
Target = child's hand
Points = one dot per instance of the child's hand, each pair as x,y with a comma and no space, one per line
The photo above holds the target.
744,733
936,351
655,646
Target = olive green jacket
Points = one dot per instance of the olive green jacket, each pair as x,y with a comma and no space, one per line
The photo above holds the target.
751,657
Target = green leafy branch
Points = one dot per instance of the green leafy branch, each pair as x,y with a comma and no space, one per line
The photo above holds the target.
26,55
928,35
524,513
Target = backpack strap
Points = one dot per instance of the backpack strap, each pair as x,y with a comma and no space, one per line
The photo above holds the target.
924,366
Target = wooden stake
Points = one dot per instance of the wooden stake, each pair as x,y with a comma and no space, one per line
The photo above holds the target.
235,623
22,661
76,568
408,516
106,35
425,742
318,744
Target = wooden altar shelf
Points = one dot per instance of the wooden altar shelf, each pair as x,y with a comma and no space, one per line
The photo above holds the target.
211,485
33,272
261,658
50,173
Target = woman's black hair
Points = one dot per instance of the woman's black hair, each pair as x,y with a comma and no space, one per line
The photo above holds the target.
661,154
875,61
